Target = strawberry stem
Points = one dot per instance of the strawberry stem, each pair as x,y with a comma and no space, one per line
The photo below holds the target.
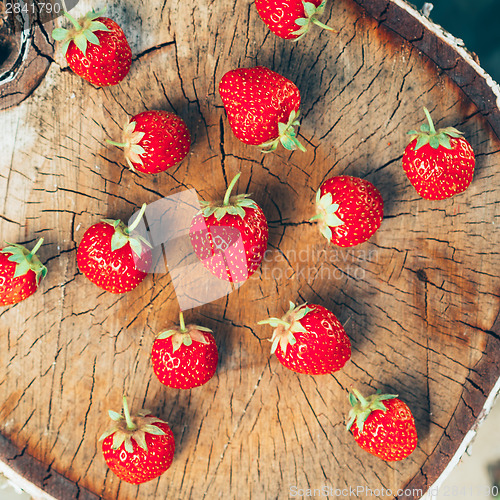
181,321
30,256
432,129
322,25
138,219
130,424
118,144
229,189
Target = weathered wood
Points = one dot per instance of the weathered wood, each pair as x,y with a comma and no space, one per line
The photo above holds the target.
28,57
420,298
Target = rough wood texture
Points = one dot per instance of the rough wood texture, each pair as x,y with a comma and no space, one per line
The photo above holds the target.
27,75
420,298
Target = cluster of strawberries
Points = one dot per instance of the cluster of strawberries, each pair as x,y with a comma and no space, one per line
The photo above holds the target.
263,110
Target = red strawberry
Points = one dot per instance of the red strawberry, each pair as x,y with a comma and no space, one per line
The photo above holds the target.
438,163
96,49
383,425
349,210
138,448
262,107
230,236
20,273
309,339
185,357
113,259
154,141
291,19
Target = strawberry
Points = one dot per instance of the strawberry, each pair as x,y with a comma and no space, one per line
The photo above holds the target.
291,19
230,236
309,339
154,141
262,107
137,448
20,273
185,357
382,425
113,259
96,49
439,164
349,210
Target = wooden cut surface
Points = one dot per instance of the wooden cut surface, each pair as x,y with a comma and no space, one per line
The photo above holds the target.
420,298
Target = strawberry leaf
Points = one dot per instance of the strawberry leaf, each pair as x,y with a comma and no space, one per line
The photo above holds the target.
275,342
91,37
309,8
153,429
421,141
129,447
60,34
108,433
167,334
327,232
434,142
118,240
140,439
115,416
202,328
81,42
444,140
136,246
98,26
118,439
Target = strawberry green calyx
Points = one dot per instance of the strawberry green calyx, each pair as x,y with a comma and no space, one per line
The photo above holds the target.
130,144
326,214
362,407
82,32
26,260
285,327
185,335
435,138
230,205
128,428
122,234
312,13
287,136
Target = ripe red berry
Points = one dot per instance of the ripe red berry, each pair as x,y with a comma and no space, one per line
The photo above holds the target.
96,49
112,258
439,164
291,19
138,448
185,357
349,210
154,141
262,107
382,425
309,339
20,273
230,236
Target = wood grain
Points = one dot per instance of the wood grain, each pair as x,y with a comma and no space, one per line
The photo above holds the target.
419,300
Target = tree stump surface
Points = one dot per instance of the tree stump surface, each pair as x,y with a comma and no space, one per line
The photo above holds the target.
420,300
